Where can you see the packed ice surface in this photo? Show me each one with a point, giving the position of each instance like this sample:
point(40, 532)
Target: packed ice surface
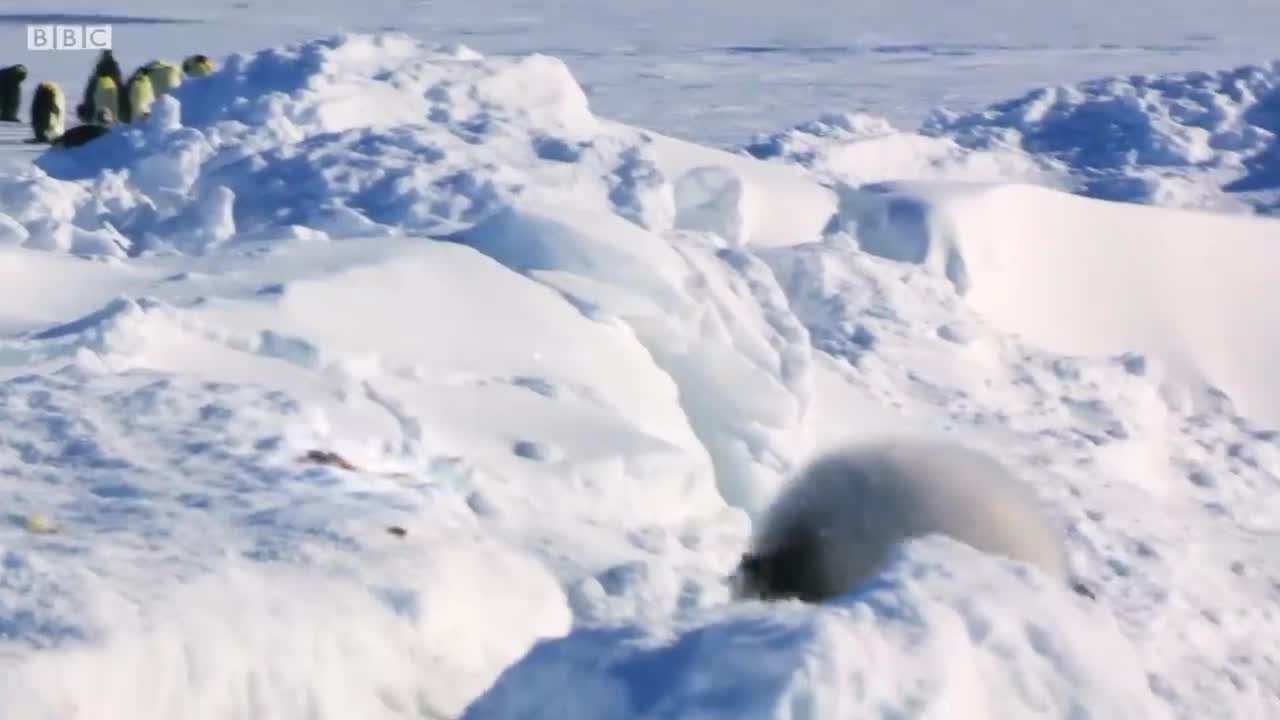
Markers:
point(566, 361)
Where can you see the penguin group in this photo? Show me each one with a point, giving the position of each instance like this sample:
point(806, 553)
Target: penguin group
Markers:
point(108, 98)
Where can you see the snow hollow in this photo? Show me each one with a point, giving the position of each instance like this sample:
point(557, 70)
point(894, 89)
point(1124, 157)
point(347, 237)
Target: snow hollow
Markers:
point(464, 409)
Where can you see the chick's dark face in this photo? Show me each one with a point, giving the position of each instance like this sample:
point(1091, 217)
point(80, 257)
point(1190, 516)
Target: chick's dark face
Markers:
point(790, 571)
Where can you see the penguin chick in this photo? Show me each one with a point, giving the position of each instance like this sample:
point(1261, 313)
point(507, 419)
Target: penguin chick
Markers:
point(141, 95)
point(836, 524)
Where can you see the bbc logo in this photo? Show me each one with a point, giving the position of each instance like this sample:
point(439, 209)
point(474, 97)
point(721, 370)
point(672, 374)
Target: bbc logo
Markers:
point(68, 37)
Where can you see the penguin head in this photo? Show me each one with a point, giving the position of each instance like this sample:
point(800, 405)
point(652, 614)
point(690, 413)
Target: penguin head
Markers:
point(107, 64)
point(20, 72)
point(746, 580)
point(197, 65)
point(767, 577)
point(791, 570)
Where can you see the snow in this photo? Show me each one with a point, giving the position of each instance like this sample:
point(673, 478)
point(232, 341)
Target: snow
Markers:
point(565, 359)
point(1147, 138)
point(1032, 288)
point(952, 652)
point(1204, 140)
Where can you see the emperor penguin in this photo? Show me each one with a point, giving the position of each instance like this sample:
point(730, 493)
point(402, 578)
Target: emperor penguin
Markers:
point(165, 77)
point(141, 95)
point(837, 522)
point(197, 66)
point(48, 113)
point(106, 66)
point(106, 96)
point(11, 91)
point(81, 134)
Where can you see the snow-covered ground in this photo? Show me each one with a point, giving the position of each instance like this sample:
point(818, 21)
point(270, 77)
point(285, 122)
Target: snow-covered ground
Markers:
point(567, 355)
point(719, 71)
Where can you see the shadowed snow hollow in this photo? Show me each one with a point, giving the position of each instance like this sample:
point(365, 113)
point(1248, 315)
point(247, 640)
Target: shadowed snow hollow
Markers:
point(713, 318)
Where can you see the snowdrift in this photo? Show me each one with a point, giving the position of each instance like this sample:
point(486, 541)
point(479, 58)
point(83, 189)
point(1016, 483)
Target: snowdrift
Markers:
point(924, 641)
point(163, 438)
point(374, 134)
point(1085, 278)
point(1150, 139)
point(562, 362)
point(1203, 140)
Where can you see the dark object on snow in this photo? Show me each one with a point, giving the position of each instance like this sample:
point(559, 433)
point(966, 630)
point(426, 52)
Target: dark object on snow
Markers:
point(325, 457)
point(11, 91)
point(48, 113)
point(197, 66)
point(1083, 590)
point(397, 531)
point(81, 134)
point(106, 67)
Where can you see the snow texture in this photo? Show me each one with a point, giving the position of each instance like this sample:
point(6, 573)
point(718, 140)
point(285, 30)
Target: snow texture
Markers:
point(954, 651)
point(1206, 140)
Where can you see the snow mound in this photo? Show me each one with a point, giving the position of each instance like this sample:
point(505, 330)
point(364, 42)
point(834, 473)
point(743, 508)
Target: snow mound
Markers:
point(923, 639)
point(856, 148)
point(161, 445)
point(1087, 283)
point(713, 318)
point(1190, 139)
point(204, 557)
point(1205, 140)
point(379, 134)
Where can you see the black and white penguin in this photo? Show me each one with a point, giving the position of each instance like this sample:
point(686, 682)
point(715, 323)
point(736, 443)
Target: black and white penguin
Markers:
point(81, 134)
point(837, 523)
point(197, 66)
point(48, 112)
point(11, 91)
point(106, 96)
point(141, 95)
point(106, 66)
